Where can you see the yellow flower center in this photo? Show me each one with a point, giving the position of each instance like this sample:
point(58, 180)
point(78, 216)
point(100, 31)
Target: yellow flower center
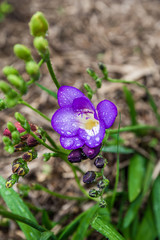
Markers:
point(90, 123)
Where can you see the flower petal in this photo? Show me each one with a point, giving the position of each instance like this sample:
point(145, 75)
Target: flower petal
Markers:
point(71, 142)
point(67, 94)
point(93, 138)
point(64, 122)
point(82, 104)
point(107, 111)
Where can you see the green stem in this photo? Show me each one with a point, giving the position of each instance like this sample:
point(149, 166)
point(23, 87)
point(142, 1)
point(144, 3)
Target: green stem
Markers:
point(134, 128)
point(34, 109)
point(117, 171)
point(53, 76)
point(51, 140)
point(41, 62)
point(55, 194)
point(18, 218)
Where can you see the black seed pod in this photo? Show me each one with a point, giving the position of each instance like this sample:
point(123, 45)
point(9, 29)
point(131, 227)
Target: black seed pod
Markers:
point(99, 162)
point(89, 177)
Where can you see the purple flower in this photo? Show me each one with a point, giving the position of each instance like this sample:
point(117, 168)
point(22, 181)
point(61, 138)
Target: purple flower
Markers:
point(77, 120)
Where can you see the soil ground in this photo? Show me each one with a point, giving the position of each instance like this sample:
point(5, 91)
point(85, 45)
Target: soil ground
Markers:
point(123, 34)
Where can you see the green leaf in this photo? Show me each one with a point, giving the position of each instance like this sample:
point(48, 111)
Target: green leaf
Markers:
point(147, 227)
point(47, 236)
point(156, 203)
point(71, 228)
point(17, 206)
point(113, 149)
point(106, 228)
point(50, 92)
point(132, 211)
point(131, 105)
point(48, 224)
point(136, 176)
point(84, 224)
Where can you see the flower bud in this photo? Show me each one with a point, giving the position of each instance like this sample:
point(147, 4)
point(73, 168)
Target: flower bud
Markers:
point(94, 193)
point(91, 152)
point(7, 133)
point(38, 25)
point(5, 88)
point(102, 204)
point(21, 171)
point(32, 142)
point(22, 52)
point(8, 70)
point(99, 162)
point(29, 156)
point(23, 121)
point(32, 68)
point(18, 83)
point(7, 141)
point(89, 177)
point(10, 127)
point(92, 73)
point(2, 104)
point(15, 137)
point(101, 184)
point(75, 156)
point(22, 146)
point(19, 128)
point(99, 83)
point(15, 167)
point(11, 180)
point(103, 68)
point(41, 44)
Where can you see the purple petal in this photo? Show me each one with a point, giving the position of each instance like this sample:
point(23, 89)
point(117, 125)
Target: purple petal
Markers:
point(91, 152)
point(71, 142)
point(107, 111)
point(83, 104)
point(67, 94)
point(92, 139)
point(64, 122)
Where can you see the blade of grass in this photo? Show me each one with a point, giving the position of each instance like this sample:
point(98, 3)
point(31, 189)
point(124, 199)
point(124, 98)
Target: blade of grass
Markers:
point(50, 92)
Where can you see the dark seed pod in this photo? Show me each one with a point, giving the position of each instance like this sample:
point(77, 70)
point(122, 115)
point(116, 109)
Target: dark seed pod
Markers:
point(75, 156)
point(11, 180)
point(28, 156)
point(20, 146)
point(102, 204)
point(89, 177)
point(91, 152)
point(101, 184)
point(99, 162)
point(15, 167)
point(94, 193)
point(21, 171)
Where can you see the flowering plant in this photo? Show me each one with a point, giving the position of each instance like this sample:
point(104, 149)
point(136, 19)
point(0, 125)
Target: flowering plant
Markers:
point(84, 134)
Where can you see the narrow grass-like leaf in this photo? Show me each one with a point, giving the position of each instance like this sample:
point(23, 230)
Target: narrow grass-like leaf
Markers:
point(113, 149)
point(156, 203)
point(132, 211)
point(136, 176)
point(131, 105)
point(84, 224)
point(147, 229)
point(50, 92)
point(47, 236)
point(17, 206)
point(106, 229)
point(71, 228)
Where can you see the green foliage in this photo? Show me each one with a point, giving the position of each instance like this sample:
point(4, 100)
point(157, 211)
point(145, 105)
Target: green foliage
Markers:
point(156, 203)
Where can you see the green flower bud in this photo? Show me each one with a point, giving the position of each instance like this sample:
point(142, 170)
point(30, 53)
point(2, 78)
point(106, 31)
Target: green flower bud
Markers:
point(92, 73)
point(7, 141)
point(38, 25)
point(11, 127)
point(94, 193)
point(89, 90)
point(16, 137)
point(18, 82)
point(99, 83)
point(20, 118)
point(9, 149)
point(41, 44)
point(10, 70)
point(32, 68)
point(104, 70)
point(22, 52)
point(102, 204)
point(2, 104)
point(11, 180)
point(5, 88)
point(11, 102)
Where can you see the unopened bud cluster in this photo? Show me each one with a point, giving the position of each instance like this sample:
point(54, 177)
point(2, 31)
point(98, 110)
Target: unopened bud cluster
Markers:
point(16, 139)
point(89, 177)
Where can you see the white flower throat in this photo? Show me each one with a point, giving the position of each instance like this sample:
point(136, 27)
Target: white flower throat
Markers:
point(88, 122)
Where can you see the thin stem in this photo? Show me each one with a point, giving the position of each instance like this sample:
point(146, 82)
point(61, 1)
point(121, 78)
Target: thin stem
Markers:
point(55, 194)
point(41, 62)
point(53, 76)
point(134, 128)
point(117, 171)
point(51, 140)
point(34, 109)
point(18, 218)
